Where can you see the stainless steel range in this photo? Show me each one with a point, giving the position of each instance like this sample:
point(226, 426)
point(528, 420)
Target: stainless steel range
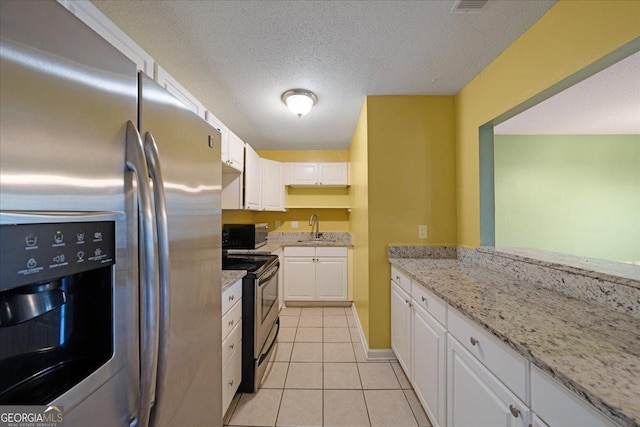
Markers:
point(260, 322)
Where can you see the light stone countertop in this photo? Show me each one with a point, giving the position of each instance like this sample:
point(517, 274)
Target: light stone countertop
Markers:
point(229, 277)
point(591, 349)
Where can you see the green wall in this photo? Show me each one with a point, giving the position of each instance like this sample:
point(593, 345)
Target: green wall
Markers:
point(576, 194)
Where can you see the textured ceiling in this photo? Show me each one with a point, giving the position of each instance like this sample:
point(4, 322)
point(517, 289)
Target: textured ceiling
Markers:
point(238, 57)
point(605, 103)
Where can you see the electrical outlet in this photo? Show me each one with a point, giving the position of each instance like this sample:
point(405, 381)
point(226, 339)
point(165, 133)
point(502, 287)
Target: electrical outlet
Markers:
point(294, 224)
point(422, 232)
point(278, 224)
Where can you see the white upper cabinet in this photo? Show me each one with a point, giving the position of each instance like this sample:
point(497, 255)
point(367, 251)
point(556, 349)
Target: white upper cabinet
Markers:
point(98, 22)
point(172, 86)
point(272, 186)
point(235, 153)
point(252, 174)
point(224, 133)
point(317, 174)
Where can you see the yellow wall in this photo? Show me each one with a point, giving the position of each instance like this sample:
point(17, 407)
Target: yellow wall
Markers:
point(403, 174)
point(568, 38)
point(359, 219)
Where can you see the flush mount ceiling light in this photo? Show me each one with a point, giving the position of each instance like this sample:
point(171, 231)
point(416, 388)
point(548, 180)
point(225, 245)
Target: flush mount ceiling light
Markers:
point(299, 101)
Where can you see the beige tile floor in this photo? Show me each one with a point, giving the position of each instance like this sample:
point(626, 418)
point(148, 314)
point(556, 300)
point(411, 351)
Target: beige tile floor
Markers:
point(318, 376)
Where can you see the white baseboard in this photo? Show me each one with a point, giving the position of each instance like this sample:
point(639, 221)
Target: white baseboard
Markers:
point(371, 354)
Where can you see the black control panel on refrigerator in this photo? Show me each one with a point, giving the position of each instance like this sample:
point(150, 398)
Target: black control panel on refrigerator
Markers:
point(31, 253)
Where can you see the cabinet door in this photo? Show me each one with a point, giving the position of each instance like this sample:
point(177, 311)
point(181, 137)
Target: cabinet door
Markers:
point(333, 174)
point(272, 187)
point(236, 152)
point(401, 326)
point(331, 278)
point(172, 86)
point(303, 173)
point(475, 397)
point(299, 278)
point(428, 345)
point(252, 180)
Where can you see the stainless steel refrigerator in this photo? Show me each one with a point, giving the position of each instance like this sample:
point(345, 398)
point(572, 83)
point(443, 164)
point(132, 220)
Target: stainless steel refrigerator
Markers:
point(110, 230)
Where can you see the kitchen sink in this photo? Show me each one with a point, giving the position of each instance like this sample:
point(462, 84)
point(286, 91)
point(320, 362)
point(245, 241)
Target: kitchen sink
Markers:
point(317, 240)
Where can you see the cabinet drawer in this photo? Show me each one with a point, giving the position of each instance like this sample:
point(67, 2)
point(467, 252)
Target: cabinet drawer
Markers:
point(560, 407)
point(231, 376)
point(232, 342)
point(231, 295)
point(331, 251)
point(299, 251)
point(427, 300)
point(231, 319)
point(504, 363)
point(401, 279)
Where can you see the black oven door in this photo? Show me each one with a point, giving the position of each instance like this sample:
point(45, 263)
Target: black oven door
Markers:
point(266, 305)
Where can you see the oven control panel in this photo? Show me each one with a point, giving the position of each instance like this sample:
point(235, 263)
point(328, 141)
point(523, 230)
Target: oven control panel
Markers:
point(32, 253)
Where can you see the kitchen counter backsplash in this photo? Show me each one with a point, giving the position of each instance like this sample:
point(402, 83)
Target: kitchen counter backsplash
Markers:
point(621, 294)
point(552, 271)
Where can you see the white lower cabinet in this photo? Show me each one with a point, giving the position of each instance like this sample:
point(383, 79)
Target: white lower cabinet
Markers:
point(428, 353)
point(401, 326)
point(315, 273)
point(466, 377)
point(231, 342)
point(475, 397)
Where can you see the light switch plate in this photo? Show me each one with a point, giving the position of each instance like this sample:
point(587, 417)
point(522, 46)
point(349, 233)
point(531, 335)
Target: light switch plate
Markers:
point(277, 224)
point(294, 224)
point(422, 232)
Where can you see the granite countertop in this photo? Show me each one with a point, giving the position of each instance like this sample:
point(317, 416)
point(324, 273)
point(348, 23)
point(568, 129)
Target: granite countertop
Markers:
point(229, 277)
point(591, 349)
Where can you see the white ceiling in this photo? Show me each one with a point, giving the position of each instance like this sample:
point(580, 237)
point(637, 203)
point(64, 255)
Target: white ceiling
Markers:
point(238, 57)
point(606, 103)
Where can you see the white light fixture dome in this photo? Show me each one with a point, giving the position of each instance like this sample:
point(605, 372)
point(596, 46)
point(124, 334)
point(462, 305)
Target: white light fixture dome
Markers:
point(299, 101)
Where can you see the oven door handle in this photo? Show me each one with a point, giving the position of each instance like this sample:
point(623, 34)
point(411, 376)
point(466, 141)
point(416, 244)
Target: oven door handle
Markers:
point(270, 275)
point(274, 333)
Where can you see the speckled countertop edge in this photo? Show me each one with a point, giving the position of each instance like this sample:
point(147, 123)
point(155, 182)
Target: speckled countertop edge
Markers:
point(616, 272)
point(229, 277)
point(591, 350)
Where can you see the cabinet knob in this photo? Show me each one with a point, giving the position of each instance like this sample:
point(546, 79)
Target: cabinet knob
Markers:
point(231, 383)
point(406, 301)
point(473, 341)
point(514, 411)
point(424, 300)
point(231, 323)
point(398, 278)
point(231, 297)
point(232, 345)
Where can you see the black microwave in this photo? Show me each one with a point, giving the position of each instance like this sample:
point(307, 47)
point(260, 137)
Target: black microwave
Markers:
point(244, 236)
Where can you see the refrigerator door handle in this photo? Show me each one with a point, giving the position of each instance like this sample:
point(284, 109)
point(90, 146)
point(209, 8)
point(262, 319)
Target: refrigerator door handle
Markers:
point(135, 162)
point(155, 172)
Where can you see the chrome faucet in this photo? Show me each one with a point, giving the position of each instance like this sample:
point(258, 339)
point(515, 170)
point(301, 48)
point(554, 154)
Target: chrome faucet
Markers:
point(316, 234)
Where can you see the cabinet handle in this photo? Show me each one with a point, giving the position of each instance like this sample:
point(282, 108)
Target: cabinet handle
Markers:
point(424, 300)
point(410, 304)
point(232, 345)
point(514, 411)
point(231, 297)
point(473, 341)
point(398, 278)
point(231, 383)
point(406, 301)
point(231, 323)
